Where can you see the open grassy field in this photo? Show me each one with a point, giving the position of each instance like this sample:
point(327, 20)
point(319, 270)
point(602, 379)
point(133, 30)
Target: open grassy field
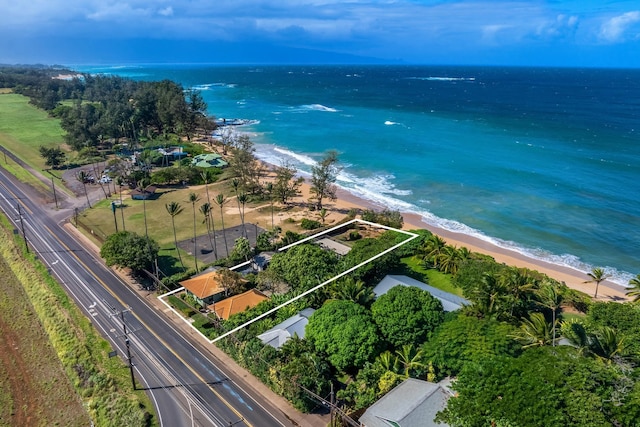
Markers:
point(24, 128)
point(34, 389)
point(159, 224)
point(65, 333)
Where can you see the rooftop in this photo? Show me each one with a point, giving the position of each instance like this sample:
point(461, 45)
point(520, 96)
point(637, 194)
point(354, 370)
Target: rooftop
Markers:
point(238, 303)
point(450, 302)
point(293, 326)
point(204, 285)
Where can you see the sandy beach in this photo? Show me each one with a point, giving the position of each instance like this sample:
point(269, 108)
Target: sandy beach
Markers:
point(575, 279)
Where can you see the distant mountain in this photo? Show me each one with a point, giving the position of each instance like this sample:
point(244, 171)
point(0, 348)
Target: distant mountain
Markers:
point(79, 51)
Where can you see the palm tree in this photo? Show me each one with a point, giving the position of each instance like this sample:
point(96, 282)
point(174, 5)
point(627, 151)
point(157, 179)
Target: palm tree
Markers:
point(550, 298)
point(142, 187)
point(387, 361)
point(634, 290)
point(409, 358)
point(519, 285)
point(575, 331)
point(193, 198)
point(608, 343)
point(205, 177)
point(205, 210)
point(534, 331)
point(220, 201)
point(83, 177)
point(448, 260)
point(269, 189)
point(174, 209)
point(353, 290)
point(432, 248)
point(597, 275)
point(120, 184)
point(242, 200)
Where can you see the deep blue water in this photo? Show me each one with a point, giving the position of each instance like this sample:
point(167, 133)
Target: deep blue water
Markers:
point(545, 161)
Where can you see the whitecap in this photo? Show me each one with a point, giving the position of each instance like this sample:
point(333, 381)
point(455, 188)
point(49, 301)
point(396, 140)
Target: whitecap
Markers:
point(318, 107)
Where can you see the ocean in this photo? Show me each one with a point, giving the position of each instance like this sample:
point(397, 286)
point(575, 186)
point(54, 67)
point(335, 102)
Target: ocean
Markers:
point(543, 161)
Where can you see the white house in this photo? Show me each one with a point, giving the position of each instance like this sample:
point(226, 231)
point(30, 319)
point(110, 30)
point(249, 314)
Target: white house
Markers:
point(294, 325)
point(413, 403)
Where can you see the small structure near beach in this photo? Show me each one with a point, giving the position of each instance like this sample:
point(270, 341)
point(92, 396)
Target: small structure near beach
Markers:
point(144, 194)
point(209, 160)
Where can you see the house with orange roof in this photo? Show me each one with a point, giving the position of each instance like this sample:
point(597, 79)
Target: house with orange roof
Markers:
point(207, 287)
point(237, 303)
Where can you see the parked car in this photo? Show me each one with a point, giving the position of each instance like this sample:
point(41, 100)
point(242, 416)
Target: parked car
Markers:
point(105, 179)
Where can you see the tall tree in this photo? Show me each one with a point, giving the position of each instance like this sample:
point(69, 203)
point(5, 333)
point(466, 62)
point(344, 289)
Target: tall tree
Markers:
point(286, 185)
point(220, 201)
point(597, 276)
point(205, 210)
point(193, 198)
point(174, 209)
point(269, 189)
point(323, 178)
point(83, 177)
point(242, 201)
point(53, 157)
point(550, 297)
point(142, 186)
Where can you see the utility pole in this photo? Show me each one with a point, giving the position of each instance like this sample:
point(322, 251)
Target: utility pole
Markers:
point(55, 197)
point(126, 340)
point(24, 235)
point(332, 407)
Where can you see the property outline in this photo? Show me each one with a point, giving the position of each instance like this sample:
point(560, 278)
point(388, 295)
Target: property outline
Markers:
point(305, 293)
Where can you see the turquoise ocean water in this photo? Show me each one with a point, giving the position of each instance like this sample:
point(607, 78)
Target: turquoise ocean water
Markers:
point(543, 161)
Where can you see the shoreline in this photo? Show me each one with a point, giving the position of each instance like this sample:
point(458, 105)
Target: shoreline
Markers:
point(575, 279)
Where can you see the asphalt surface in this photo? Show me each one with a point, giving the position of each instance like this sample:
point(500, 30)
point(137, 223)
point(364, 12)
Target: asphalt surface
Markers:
point(186, 385)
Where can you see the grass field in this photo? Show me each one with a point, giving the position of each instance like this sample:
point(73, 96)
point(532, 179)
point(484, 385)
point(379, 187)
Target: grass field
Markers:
point(34, 389)
point(24, 128)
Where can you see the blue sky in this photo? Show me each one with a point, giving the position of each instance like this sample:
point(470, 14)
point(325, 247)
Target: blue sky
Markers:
point(597, 33)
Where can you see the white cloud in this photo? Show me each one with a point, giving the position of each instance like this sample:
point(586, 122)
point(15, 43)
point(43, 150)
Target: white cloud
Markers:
point(167, 11)
point(615, 29)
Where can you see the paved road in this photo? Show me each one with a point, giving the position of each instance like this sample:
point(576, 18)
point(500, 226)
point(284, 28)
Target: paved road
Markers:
point(186, 387)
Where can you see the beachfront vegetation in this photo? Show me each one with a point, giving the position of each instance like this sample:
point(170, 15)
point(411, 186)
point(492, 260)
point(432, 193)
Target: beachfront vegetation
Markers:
point(323, 178)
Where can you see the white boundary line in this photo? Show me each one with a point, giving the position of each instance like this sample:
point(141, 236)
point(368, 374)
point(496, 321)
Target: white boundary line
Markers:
point(307, 292)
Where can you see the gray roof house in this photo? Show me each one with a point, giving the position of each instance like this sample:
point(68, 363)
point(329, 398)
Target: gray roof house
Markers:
point(294, 325)
point(413, 403)
point(450, 302)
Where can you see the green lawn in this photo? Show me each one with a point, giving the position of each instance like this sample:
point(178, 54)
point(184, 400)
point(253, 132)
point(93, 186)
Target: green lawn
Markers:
point(413, 267)
point(24, 128)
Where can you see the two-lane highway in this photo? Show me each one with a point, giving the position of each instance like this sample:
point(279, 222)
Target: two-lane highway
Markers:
point(185, 385)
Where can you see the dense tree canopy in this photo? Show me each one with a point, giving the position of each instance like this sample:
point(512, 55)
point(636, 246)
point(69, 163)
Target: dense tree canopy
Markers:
point(128, 249)
point(406, 315)
point(345, 332)
point(304, 266)
point(546, 386)
point(463, 339)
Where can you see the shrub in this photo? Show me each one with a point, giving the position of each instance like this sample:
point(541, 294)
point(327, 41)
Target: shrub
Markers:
point(309, 224)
